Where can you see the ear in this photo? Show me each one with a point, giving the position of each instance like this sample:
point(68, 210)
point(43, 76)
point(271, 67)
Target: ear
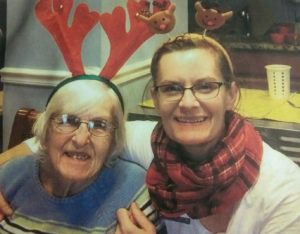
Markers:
point(154, 96)
point(232, 96)
point(227, 15)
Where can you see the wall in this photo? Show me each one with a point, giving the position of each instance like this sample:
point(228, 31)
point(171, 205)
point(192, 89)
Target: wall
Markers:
point(33, 64)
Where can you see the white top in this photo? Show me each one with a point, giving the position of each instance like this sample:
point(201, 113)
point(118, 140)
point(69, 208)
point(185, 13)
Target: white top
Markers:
point(272, 205)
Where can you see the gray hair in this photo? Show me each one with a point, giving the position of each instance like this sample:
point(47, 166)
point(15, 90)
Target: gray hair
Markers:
point(90, 93)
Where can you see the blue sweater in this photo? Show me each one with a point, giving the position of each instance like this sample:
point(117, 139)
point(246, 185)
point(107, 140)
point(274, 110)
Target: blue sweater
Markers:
point(90, 211)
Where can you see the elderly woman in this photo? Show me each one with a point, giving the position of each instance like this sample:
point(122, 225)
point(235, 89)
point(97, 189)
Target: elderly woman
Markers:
point(76, 181)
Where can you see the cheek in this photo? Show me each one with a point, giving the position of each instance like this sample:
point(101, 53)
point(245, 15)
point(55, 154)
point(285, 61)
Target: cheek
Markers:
point(164, 109)
point(56, 140)
point(103, 148)
point(54, 145)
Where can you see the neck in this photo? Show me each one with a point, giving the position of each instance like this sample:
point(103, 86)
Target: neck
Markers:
point(200, 153)
point(60, 187)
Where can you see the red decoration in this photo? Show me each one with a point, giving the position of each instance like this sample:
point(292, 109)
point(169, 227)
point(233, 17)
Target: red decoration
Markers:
point(122, 44)
point(54, 16)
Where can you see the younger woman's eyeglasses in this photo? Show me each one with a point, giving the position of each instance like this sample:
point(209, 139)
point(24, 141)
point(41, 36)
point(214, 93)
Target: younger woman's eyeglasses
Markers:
point(67, 123)
point(202, 90)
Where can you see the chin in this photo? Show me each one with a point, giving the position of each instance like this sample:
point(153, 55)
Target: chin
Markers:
point(77, 176)
point(190, 138)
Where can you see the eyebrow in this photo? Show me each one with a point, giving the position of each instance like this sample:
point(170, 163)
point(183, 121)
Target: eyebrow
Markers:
point(202, 79)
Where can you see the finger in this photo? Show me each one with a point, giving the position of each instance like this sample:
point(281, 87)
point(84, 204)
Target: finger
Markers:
point(125, 221)
point(5, 209)
point(118, 231)
point(141, 219)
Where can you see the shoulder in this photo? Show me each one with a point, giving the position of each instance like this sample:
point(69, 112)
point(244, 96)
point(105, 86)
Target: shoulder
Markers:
point(279, 167)
point(129, 166)
point(124, 173)
point(279, 176)
point(16, 173)
point(274, 200)
point(17, 165)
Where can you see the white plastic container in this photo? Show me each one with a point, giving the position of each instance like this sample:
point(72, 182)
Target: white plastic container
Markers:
point(278, 76)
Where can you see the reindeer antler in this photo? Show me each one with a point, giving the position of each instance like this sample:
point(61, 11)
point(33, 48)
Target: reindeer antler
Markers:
point(53, 15)
point(122, 44)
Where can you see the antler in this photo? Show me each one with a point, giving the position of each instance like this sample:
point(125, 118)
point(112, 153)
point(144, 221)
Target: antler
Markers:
point(53, 15)
point(123, 44)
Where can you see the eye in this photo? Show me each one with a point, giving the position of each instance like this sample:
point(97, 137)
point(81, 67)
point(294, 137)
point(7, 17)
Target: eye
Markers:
point(172, 88)
point(205, 87)
point(100, 124)
point(66, 119)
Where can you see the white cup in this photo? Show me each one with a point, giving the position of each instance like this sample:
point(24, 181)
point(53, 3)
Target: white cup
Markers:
point(278, 76)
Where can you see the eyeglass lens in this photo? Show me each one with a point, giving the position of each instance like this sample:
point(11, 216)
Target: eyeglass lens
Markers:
point(69, 123)
point(201, 90)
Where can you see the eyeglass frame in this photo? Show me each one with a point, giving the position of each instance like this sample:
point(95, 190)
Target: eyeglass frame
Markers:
point(219, 83)
point(90, 123)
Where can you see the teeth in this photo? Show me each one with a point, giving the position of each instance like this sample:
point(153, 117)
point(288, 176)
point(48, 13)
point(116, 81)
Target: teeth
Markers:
point(185, 120)
point(77, 155)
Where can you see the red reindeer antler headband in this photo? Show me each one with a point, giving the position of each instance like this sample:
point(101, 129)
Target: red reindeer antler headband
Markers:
point(54, 16)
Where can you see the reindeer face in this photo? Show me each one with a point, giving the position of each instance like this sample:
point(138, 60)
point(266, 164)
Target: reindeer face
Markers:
point(162, 22)
point(210, 19)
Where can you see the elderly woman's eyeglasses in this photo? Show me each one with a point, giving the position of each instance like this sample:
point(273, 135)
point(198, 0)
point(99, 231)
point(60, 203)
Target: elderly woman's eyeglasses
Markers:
point(67, 123)
point(202, 90)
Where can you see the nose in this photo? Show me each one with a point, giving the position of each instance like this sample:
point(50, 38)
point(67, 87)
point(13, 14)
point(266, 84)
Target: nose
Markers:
point(188, 99)
point(82, 135)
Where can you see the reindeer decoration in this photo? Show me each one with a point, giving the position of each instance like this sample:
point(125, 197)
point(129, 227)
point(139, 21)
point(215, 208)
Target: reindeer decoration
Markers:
point(54, 16)
point(210, 19)
point(160, 22)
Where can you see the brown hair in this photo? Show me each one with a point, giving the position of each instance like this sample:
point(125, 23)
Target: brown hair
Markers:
point(194, 41)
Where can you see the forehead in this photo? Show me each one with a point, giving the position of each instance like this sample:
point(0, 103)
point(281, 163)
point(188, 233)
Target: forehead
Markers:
point(189, 64)
point(89, 98)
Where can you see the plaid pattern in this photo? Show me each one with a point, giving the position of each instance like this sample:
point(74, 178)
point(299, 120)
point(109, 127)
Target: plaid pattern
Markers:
point(212, 187)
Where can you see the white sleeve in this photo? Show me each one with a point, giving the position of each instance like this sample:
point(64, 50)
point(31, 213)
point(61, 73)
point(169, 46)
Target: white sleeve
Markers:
point(138, 142)
point(32, 144)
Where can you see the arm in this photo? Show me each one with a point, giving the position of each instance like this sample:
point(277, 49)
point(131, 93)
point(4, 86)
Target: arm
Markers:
point(286, 217)
point(5, 209)
point(17, 151)
point(25, 148)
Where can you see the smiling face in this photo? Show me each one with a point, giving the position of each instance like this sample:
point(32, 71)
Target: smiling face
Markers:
point(162, 22)
point(79, 156)
point(71, 160)
point(195, 124)
point(210, 19)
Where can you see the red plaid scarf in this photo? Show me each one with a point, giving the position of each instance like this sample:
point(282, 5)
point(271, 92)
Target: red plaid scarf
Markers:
point(209, 188)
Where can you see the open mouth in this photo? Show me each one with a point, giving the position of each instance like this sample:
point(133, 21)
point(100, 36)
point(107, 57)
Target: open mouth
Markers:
point(190, 120)
point(209, 23)
point(77, 155)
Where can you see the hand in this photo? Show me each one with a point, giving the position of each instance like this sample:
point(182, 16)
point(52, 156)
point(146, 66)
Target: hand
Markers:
point(5, 209)
point(133, 221)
